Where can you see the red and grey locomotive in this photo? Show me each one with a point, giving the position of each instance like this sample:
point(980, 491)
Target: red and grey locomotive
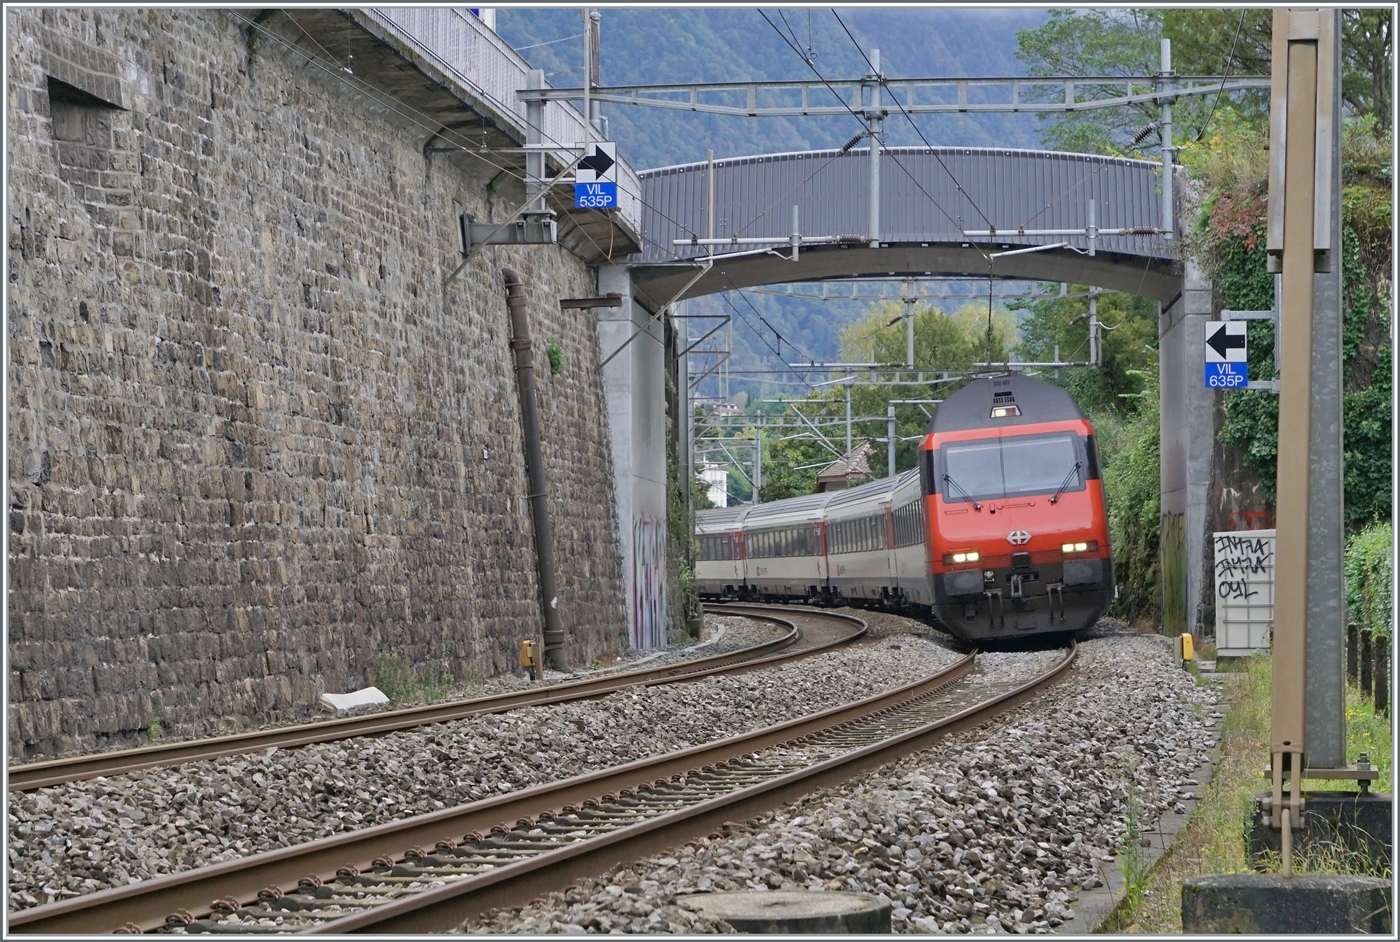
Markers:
point(1006, 504)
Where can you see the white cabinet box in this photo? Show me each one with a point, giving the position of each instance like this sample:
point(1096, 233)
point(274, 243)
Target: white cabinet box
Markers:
point(1244, 591)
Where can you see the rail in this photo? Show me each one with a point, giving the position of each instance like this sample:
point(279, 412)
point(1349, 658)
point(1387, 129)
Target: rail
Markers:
point(30, 776)
point(507, 850)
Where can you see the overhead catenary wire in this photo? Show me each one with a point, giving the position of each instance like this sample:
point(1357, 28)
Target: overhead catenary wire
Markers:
point(884, 83)
point(873, 143)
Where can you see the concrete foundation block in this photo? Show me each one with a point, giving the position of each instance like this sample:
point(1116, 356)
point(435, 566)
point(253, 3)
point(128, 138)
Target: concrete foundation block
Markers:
point(781, 913)
point(1306, 904)
point(1333, 825)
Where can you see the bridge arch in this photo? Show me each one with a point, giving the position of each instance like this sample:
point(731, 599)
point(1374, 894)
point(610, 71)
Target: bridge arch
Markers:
point(928, 199)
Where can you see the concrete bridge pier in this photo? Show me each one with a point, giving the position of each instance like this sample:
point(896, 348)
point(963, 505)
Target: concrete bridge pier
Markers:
point(1188, 442)
point(635, 384)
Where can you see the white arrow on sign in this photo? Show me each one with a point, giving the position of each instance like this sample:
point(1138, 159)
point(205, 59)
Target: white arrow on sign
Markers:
point(599, 164)
point(1225, 342)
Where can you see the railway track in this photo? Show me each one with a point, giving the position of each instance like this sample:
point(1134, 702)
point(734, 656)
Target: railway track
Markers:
point(432, 872)
point(807, 634)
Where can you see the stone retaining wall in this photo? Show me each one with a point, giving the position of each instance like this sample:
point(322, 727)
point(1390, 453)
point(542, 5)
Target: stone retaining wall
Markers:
point(253, 444)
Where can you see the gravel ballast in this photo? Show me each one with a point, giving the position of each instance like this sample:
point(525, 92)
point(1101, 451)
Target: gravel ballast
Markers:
point(992, 830)
point(78, 838)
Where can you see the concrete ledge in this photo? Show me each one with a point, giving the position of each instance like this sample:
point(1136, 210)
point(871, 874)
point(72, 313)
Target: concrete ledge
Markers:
point(780, 913)
point(1333, 823)
point(1311, 904)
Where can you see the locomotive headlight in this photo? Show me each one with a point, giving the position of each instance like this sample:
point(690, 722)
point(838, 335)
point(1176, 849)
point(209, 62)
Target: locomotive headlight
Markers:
point(961, 557)
point(1079, 547)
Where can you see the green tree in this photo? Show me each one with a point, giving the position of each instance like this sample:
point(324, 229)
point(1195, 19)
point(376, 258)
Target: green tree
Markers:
point(1212, 41)
point(1203, 40)
point(1128, 346)
point(1099, 42)
point(1230, 234)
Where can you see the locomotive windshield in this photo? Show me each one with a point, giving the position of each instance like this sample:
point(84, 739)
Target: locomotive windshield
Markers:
point(1019, 466)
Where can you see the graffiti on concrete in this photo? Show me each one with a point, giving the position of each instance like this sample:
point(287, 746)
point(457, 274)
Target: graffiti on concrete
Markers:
point(648, 584)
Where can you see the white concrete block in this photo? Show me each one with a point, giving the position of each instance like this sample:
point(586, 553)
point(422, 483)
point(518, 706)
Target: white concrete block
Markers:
point(370, 696)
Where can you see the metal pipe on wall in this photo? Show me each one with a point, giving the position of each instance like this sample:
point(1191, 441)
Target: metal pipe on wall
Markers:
point(534, 469)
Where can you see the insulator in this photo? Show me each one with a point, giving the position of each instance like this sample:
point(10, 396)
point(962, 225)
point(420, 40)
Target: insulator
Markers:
point(1142, 134)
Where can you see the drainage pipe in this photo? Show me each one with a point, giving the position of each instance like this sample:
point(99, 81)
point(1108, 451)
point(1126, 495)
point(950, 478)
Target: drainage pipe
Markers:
point(534, 468)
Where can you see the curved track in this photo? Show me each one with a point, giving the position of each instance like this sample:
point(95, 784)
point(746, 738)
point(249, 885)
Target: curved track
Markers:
point(505, 851)
point(805, 636)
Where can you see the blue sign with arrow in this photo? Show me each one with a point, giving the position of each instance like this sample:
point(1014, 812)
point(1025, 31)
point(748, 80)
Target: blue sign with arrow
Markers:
point(1227, 361)
point(595, 178)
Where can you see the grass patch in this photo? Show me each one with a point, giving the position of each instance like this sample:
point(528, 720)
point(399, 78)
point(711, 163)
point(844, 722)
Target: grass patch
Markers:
point(401, 682)
point(1214, 840)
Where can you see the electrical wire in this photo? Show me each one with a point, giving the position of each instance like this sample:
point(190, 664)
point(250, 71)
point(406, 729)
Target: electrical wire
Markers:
point(1229, 60)
point(549, 43)
point(875, 143)
point(791, 33)
point(884, 83)
point(781, 339)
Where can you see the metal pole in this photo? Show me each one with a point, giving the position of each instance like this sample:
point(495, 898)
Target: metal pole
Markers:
point(534, 138)
point(872, 117)
point(850, 379)
point(796, 237)
point(909, 325)
point(587, 76)
point(534, 469)
point(594, 111)
point(710, 182)
point(1168, 222)
point(687, 420)
point(889, 426)
point(1093, 326)
point(1325, 731)
point(1092, 230)
point(757, 462)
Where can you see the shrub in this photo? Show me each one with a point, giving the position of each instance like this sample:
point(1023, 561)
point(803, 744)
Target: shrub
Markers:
point(1368, 574)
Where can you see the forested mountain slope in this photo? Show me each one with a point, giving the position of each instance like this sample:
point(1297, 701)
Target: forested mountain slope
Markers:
point(667, 44)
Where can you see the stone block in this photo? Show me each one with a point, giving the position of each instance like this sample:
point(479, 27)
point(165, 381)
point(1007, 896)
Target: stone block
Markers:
point(1303, 904)
point(800, 912)
point(1333, 824)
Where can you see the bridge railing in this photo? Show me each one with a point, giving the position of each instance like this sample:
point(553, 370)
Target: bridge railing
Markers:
point(488, 68)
